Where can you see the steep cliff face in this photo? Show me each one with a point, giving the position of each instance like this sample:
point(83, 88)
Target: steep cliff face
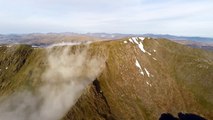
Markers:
point(142, 78)
point(145, 78)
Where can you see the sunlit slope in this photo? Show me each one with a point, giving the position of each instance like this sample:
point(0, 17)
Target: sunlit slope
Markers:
point(20, 65)
point(145, 78)
point(142, 78)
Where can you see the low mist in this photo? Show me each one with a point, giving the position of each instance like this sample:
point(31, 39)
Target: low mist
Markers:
point(67, 75)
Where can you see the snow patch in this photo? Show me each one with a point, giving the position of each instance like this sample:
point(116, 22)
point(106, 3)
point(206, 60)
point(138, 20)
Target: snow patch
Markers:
point(6, 68)
point(139, 66)
point(148, 84)
point(154, 58)
point(125, 42)
point(135, 40)
point(140, 45)
point(141, 38)
point(130, 40)
point(149, 53)
point(147, 72)
point(142, 73)
point(154, 50)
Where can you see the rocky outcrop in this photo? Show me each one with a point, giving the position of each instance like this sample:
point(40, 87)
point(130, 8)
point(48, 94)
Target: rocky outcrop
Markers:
point(93, 103)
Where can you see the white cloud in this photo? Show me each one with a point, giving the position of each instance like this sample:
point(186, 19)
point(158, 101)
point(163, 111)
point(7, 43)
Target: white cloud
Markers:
point(124, 16)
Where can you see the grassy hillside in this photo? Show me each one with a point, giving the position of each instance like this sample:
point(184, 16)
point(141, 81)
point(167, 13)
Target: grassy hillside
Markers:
point(179, 79)
point(16, 64)
point(142, 78)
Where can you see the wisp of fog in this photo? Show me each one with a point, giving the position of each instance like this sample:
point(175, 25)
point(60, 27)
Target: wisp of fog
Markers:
point(66, 77)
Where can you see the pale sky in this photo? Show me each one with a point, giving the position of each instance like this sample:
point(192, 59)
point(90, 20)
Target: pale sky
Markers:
point(177, 17)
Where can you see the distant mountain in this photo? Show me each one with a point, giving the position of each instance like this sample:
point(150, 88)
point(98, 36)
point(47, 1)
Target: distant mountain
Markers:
point(172, 37)
point(39, 39)
point(167, 36)
point(45, 39)
point(201, 45)
point(28, 37)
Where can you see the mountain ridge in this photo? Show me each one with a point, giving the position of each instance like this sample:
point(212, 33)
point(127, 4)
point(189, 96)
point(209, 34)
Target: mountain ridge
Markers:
point(142, 79)
point(123, 103)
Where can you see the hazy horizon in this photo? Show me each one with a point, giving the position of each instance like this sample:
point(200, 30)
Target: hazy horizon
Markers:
point(176, 17)
point(103, 33)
